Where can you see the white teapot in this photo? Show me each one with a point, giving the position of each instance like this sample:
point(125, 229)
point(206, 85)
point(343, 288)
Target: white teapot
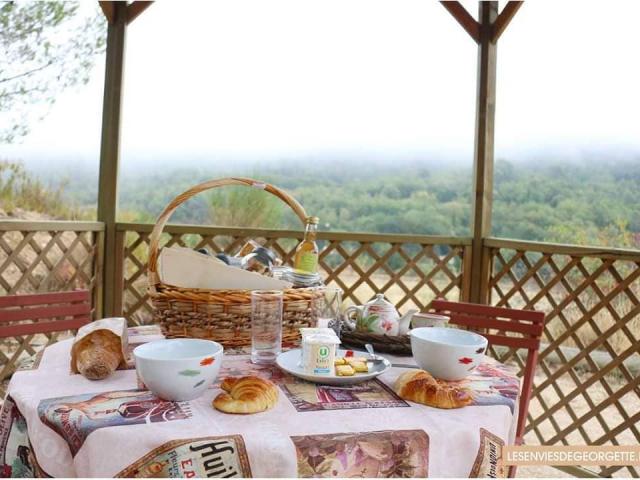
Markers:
point(378, 316)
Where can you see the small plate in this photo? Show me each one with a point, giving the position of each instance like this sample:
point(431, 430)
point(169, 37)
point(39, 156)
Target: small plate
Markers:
point(290, 362)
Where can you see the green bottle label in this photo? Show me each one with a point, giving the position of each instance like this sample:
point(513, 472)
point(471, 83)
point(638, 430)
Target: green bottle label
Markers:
point(308, 262)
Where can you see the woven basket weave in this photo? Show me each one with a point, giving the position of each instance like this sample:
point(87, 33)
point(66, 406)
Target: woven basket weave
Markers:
point(399, 345)
point(221, 315)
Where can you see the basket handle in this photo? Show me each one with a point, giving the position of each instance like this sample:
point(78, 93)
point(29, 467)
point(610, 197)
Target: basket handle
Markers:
point(154, 241)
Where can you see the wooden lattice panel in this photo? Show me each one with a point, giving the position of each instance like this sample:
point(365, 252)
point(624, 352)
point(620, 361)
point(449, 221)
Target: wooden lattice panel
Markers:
point(587, 388)
point(42, 260)
point(410, 273)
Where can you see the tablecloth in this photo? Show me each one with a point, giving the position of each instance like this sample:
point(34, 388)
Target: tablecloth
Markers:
point(54, 423)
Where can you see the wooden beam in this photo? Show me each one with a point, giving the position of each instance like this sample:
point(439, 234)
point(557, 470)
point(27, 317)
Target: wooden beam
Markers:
point(136, 8)
point(505, 18)
point(277, 233)
point(109, 10)
point(483, 151)
point(50, 226)
point(464, 18)
point(110, 148)
point(628, 255)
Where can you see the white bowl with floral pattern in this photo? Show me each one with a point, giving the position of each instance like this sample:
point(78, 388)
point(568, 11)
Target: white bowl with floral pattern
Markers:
point(178, 369)
point(447, 353)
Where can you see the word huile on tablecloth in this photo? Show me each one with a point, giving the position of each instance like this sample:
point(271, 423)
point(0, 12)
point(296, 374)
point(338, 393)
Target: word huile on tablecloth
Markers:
point(213, 457)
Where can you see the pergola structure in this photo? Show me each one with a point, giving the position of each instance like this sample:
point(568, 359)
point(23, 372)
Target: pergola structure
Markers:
point(588, 387)
point(485, 32)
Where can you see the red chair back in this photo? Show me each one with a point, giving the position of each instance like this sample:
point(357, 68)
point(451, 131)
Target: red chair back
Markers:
point(44, 312)
point(496, 323)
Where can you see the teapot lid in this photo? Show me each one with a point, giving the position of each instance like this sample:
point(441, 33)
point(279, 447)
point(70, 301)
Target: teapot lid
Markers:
point(380, 300)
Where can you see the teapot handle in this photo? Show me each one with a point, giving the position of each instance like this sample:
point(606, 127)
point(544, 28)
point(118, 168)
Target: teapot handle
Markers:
point(348, 320)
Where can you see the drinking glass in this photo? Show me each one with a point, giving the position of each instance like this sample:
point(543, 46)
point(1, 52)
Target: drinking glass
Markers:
point(328, 308)
point(266, 325)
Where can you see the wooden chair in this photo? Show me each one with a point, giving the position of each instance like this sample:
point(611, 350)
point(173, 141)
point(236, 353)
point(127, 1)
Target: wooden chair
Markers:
point(48, 312)
point(496, 323)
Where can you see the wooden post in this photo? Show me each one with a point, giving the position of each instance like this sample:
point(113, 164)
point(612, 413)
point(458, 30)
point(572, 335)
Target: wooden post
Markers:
point(483, 154)
point(98, 292)
point(110, 148)
point(118, 261)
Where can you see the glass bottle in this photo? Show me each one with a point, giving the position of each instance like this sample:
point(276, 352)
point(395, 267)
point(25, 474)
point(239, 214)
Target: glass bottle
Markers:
point(306, 257)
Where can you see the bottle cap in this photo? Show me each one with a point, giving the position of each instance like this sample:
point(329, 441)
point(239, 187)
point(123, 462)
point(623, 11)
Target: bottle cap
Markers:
point(312, 220)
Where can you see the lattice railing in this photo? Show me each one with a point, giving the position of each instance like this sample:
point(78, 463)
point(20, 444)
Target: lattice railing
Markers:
point(587, 390)
point(45, 257)
point(409, 270)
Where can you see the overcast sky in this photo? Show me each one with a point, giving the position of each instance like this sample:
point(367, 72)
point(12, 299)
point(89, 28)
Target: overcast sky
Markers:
point(284, 77)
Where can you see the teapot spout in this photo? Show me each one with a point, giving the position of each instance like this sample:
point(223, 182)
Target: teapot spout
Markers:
point(405, 321)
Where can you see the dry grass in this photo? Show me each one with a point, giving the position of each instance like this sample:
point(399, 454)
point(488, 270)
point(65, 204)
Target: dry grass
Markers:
point(585, 334)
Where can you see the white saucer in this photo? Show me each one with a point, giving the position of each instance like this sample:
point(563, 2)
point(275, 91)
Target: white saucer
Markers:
point(290, 363)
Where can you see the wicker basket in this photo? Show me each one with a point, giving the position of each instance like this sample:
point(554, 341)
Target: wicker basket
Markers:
point(220, 315)
point(400, 345)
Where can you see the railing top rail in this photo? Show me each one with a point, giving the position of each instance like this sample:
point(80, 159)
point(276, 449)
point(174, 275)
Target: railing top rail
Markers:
point(277, 233)
point(581, 251)
point(50, 226)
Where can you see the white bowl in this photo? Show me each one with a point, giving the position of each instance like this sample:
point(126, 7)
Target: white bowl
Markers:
point(447, 353)
point(178, 369)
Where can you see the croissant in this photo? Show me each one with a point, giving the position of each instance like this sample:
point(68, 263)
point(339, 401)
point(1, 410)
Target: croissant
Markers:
point(420, 387)
point(246, 395)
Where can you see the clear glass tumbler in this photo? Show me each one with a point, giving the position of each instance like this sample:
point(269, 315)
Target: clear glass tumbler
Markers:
point(266, 325)
point(328, 308)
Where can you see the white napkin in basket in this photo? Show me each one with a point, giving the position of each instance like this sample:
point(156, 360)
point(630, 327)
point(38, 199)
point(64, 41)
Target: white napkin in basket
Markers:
point(186, 268)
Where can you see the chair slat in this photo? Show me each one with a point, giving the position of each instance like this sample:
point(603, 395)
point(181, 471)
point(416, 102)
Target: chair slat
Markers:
point(44, 298)
point(43, 327)
point(487, 310)
point(37, 313)
point(512, 342)
point(493, 323)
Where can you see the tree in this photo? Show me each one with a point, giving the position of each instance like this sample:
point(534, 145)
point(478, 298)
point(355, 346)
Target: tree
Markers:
point(47, 47)
point(244, 207)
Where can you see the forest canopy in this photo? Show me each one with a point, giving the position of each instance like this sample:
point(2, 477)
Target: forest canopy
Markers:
point(589, 203)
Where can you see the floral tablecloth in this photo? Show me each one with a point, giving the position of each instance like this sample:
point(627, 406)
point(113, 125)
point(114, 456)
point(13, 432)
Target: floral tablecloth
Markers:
point(54, 423)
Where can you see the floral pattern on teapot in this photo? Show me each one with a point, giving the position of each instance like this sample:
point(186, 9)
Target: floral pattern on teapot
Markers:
point(380, 317)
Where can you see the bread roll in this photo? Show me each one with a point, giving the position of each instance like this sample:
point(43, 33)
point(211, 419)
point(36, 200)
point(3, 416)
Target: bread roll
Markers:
point(246, 395)
point(98, 354)
point(420, 387)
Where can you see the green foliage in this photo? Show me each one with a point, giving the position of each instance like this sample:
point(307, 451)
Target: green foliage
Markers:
point(47, 47)
point(595, 203)
point(585, 203)
point(19, 189)
point(244, 207)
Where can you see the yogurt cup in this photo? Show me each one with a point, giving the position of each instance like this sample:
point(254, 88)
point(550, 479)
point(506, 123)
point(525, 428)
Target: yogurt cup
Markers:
point(319, 353)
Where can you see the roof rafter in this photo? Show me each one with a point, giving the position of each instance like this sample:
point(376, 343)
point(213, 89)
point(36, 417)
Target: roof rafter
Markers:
point(109, 10)
point(472, 26)
point(504, 18)
point(134, 9)
point(464, 18)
